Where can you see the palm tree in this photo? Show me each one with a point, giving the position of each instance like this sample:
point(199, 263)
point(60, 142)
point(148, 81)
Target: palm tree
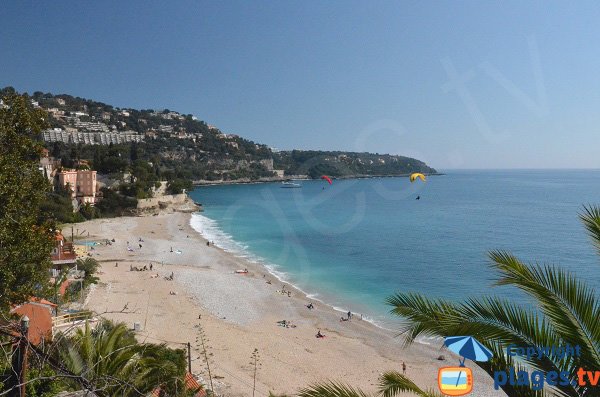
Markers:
point(563, 309)
point(114, 363)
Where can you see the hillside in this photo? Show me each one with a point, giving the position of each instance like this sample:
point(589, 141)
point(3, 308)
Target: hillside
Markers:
point(172, 145)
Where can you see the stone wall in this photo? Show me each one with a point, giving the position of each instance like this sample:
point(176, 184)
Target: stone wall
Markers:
point(169, 202)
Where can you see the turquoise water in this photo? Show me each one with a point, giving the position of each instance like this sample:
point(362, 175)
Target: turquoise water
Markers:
point(357, 242)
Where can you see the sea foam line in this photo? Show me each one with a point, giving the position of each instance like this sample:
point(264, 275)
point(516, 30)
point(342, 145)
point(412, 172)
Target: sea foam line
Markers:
point(209, 229)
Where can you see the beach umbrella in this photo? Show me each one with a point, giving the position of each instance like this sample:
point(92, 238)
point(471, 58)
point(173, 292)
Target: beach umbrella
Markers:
point(468, 347)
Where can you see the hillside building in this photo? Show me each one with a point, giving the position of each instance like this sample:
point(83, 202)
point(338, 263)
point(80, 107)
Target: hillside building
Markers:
point(82, 184)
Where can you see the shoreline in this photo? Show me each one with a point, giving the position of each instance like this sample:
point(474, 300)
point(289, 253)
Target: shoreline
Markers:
point(262, 264)
point(299, 178)
point(238, 313)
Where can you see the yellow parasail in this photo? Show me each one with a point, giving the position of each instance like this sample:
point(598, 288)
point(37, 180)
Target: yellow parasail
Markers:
point(413, 177)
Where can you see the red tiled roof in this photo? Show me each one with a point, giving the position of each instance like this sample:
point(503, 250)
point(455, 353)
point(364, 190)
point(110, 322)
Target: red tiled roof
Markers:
point(42, 301)
point(40, 321)
point(63, 287)
point(190, 384)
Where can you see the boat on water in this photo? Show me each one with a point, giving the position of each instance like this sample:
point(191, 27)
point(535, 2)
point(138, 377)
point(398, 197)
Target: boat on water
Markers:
point(290, 185)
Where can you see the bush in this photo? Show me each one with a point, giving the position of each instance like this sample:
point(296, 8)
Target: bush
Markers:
point(89, 212)
point(90, 267)
point(115, 204)
point(177, 186)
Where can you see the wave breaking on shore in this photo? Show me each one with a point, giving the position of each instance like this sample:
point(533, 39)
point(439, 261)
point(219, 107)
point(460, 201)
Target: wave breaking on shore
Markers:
point(209, 229)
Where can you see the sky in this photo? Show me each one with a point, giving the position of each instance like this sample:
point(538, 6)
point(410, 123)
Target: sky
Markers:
point(457, 84)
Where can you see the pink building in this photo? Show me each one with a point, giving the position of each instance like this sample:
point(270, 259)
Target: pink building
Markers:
point(82, 184)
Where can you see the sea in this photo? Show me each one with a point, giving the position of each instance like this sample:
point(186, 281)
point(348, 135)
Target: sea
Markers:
point(356, 242)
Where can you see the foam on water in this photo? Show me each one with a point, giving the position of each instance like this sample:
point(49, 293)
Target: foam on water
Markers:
point(209, 229)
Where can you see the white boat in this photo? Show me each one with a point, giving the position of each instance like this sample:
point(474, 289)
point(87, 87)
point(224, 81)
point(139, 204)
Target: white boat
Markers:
point(290, 185)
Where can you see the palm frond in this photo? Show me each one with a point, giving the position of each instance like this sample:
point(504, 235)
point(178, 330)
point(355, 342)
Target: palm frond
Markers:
point(392, 383)
point(424, 316)
point(331, 389)
point(590, 217)
point(568, 304)
point(495, 322)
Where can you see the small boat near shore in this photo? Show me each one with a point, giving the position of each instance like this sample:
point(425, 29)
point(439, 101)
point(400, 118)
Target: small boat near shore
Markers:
point(290, 185)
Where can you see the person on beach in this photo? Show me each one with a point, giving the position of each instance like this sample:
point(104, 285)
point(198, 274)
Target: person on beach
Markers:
point(403, 368)
point(310, 306)
point(319, 334)
point(116, 264)
point(208, 243)
point(151, 267)
point(171, 249)
point(349, 315)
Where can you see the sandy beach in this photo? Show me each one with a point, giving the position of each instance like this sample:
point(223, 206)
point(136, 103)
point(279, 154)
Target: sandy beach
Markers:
point(238, 313)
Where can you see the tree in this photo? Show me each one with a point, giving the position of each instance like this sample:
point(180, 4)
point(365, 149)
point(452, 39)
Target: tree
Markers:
point(177, 186)
point(90, 267)
point(115, 364)
point(89, 212)
point(115, 204)
point(25, 238)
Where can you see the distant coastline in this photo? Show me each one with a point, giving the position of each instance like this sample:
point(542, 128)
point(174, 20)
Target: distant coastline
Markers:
point(245, 181)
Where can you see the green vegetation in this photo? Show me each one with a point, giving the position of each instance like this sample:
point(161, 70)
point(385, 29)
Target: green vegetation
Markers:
point(177, 186)
point(343, 164)
point(390, 384)
point(115, 204)
point(178, 146)
point(114, 363)
point(25, 238)
point(107, 360)
point(58, 206)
